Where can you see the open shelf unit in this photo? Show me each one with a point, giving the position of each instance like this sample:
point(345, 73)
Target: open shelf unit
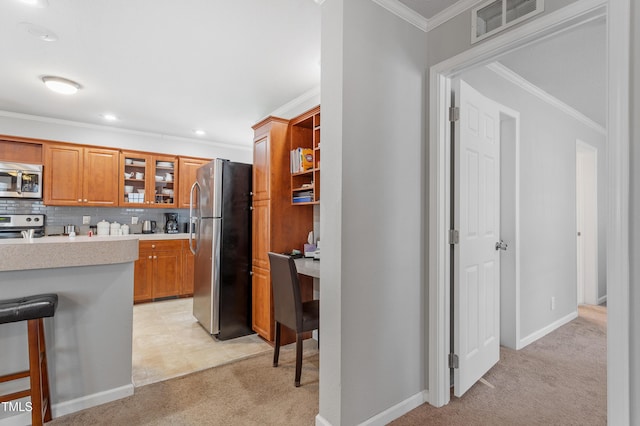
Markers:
point(305, 158)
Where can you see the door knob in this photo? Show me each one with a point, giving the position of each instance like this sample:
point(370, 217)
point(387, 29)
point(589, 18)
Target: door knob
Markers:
point(501, 245)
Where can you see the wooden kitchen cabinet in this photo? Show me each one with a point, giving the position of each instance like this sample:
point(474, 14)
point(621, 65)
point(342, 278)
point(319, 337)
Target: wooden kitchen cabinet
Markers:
point(80, 175)
point(305, 134)
point(148, 180)
point(278, 226)
point(187, 169)
point(158, 271)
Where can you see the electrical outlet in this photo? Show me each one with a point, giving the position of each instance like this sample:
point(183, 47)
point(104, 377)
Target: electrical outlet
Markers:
point(86, 220)
point(553, 303)
point(134, 220)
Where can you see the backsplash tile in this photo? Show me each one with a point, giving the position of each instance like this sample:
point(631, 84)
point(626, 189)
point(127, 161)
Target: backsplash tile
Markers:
point(58, 216)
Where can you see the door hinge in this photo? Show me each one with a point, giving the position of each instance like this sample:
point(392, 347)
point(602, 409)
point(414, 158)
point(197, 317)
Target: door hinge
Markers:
point(453, 361)
point(454, 114)
point(453, 236)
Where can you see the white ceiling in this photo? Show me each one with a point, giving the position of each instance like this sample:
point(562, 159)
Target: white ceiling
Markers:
point(571, 66)
point(428, 8)
point(169, 67)
point(162, 66)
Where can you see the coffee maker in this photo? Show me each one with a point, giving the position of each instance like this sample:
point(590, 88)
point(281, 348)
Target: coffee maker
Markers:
point(171, 223)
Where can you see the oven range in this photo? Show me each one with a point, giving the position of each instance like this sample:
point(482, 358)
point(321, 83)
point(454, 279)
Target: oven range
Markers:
point(12, 225)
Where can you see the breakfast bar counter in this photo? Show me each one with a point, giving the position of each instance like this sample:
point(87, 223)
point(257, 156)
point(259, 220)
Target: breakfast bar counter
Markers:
point(89, 338)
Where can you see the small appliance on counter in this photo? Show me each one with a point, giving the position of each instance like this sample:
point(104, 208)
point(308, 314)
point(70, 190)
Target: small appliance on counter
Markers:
point(12, 225)
point(148, 226)
point(171, 223)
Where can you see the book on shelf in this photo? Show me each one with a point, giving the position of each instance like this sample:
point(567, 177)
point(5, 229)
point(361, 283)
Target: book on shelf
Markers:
point(301, 160)
point(302, 199)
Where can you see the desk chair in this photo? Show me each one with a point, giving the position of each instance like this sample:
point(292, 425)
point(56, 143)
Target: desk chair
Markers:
point(288, 308)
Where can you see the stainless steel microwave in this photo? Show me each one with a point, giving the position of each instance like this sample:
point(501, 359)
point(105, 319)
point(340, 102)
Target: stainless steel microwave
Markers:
point(19, 180)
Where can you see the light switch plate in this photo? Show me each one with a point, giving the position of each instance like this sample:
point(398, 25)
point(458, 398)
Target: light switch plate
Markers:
point(86, 220)
point(134, 220)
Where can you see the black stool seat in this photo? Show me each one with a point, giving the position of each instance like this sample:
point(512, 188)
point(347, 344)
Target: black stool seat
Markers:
point(28, 308)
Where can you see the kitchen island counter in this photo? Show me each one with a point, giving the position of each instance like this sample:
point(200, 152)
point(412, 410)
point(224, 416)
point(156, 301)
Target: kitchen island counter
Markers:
point(88, 340)
point(19, 254)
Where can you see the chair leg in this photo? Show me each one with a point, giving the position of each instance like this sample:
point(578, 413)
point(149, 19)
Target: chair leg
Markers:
point(33, 333)
point(298, 358)
point(45, 376)
point(276, 348)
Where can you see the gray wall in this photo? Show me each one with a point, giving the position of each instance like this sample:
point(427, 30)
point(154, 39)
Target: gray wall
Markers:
point(547, 199)
point(635, 215)
point(372, 247)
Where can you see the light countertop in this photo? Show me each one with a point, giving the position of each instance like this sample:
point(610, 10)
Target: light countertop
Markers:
point(308, 266)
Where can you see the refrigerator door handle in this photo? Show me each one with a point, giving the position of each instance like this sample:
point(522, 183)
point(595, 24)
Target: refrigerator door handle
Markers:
point(193, 219)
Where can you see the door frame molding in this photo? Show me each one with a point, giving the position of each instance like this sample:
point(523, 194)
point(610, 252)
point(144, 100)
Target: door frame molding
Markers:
point(618, 45)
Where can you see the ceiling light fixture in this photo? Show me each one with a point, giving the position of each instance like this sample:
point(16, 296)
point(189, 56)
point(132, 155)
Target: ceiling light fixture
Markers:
point(199, 132)
point(61, 85)
point(109, 117)
point(36, 3)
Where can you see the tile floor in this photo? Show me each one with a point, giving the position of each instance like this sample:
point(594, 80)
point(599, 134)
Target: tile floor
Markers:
point(168, 342)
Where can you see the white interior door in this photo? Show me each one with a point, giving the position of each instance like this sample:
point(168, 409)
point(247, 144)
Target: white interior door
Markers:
point(476, 287)
point(587, 223)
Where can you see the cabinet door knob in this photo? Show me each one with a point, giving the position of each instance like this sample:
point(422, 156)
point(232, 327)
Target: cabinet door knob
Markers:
point(79, 200)
point(155, 257)
point(85, 200)
point(150, 257)
point(153, 246)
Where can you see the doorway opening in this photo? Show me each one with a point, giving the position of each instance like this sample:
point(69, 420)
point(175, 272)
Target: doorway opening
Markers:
point(617, 190)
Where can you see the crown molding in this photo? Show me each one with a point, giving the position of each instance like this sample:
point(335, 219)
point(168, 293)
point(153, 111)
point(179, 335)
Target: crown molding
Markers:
point(98, 127)
point(404, 12)
point(300, 100)
point(525, 84)
point(450, 12)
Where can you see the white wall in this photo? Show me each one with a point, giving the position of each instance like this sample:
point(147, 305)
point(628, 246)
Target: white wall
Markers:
point(372, 219)
point(547, 199)
point(634, 334)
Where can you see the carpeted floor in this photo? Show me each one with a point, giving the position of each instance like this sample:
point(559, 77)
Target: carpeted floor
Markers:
point(557, 380)
point(247, 392)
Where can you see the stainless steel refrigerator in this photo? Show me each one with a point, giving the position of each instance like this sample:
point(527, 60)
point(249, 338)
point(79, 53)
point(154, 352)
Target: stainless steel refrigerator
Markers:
point(220, 208)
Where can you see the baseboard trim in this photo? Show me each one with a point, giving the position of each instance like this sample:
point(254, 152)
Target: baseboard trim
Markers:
point(397, 410)
point(321, 421)
point(74, 405)
point(546, 330)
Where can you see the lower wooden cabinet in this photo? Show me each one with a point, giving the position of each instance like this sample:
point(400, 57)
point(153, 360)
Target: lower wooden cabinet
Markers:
point(161, 269)
point(262, 306)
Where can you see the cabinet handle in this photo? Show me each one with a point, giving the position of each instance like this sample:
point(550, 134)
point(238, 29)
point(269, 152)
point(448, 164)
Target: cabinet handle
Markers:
point(155, 257)
point(153, 246)
point(79, 200)
point(85, 200)
point(150, 257)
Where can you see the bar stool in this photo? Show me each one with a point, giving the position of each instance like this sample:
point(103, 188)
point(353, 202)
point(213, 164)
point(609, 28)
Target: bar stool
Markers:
point(32, 309)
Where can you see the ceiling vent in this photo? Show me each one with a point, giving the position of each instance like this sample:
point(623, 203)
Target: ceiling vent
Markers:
point(493, 16)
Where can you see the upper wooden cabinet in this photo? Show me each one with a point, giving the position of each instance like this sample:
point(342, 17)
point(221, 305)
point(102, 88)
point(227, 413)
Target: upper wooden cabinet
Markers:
point(187, 170)
point(80, 176)
point(148, 180)
point(305, 173)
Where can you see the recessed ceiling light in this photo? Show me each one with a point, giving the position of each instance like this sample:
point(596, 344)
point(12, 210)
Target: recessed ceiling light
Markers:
point(42, 33)
point(61, 85)
point(36, 3)
point(109, 117)
point(199, 132)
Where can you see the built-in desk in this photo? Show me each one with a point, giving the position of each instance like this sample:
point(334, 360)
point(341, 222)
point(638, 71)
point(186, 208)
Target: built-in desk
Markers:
point(308, 266)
